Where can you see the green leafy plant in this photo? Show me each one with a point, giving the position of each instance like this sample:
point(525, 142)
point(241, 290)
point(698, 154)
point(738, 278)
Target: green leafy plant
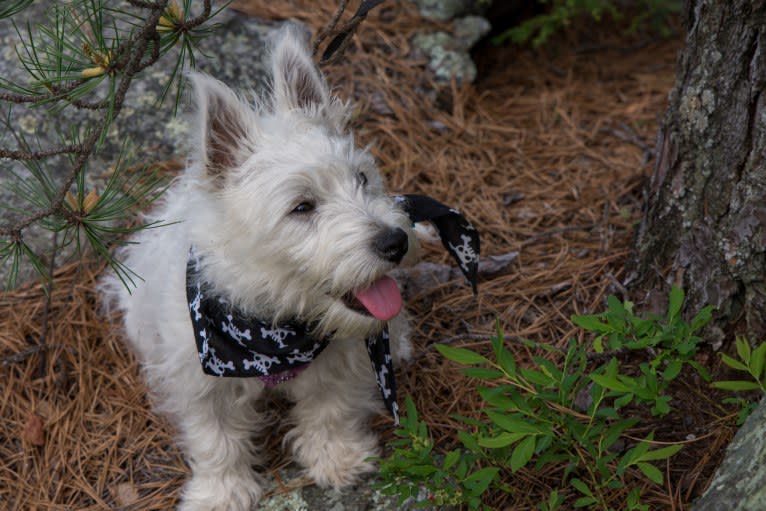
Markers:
point(751, 361)
point(564, 415)
point(561, 13)
point(449, 480)
point(669, 339)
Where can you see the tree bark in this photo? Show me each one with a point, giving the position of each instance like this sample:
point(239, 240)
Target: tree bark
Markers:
point(705, 221)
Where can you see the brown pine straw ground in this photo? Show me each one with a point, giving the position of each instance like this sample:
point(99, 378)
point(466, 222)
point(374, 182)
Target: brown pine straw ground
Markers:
point(546, 154)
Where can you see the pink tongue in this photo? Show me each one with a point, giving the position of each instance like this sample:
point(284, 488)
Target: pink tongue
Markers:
point(382, 299)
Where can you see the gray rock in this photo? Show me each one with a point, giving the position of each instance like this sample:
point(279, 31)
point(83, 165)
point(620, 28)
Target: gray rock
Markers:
point(449, 53)
point(443, 10)
point(740, 482)
point(469, 29)
point(361, 497)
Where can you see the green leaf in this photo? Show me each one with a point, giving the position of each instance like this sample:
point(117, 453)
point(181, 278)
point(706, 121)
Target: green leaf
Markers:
point(536, 377)
point(758, 361)
point(743, 349)
point(496, 397)
point(412, 412)
point(468, 440)
point(614, 306)
point(733, 363)
point(623, 400)
point(703, 372)
point(592, 323)
point(502, 440)
point(548, 368)
point(507, 362)
point(736, 385)
point(480, 480)
point(613, 433)
point(650, 471)
point(420, 470)
point(450, 459)
point(461, 355)
point(675, 302)
point(598, 344)
point(660, 454)
point(554, 501)
point(482, 373)
point(513, 424)
point(661, 406)
point(609, 382)
point(702, 318)
point(522, 453)
point(581, 487)
point(673, 369)
point(585, 502)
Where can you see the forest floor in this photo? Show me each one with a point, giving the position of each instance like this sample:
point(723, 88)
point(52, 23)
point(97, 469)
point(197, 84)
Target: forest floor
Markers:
point(546, 153)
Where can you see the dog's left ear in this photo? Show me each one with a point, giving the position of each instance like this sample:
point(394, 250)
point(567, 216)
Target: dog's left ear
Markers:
point(297, 81)
point(226, 123)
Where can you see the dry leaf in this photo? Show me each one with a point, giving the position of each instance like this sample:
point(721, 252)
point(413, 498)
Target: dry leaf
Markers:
point(33, 430)
point(125, 494)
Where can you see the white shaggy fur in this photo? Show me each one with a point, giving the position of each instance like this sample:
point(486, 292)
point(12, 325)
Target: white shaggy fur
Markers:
point(256, 162)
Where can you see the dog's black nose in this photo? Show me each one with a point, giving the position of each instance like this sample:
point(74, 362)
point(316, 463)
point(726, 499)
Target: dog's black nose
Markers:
point(391, 244)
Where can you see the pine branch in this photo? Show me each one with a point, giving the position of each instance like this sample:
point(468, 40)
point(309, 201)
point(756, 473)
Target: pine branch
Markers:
point(68, 65)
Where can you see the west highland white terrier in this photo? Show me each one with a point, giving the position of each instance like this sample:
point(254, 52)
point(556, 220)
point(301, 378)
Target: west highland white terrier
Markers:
point(273, 277)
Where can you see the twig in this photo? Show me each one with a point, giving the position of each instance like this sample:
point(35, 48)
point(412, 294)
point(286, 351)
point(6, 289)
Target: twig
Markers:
point(21, 355)
point(48, 290)
point(330, 27)
point(547, 234)
point(465, 337)
point(342, 38)
point(39, 155)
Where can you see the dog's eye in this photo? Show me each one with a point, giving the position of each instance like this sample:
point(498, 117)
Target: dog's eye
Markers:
point(303, 208)
point(363, 179)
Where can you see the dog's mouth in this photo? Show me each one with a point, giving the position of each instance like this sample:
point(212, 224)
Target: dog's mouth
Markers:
point(380, 300)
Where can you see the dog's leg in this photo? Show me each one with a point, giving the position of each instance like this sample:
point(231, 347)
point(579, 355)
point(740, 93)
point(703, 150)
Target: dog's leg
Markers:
point(334, 397)
point(216, 430)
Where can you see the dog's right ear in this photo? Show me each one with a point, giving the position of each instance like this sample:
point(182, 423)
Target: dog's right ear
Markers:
point(226, 124)
point(297, 83)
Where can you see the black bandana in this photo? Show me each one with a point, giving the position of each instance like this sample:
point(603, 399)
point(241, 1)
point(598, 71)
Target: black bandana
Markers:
point(231, 344)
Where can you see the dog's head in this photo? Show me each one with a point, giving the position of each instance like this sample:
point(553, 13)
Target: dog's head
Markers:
point(292, 218)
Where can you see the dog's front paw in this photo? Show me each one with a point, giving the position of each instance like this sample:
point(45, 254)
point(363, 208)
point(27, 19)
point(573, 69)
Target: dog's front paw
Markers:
point(221, 492)
point(336, 463)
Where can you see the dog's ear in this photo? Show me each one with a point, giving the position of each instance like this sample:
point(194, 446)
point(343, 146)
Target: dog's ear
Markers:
point(225, 121)
point(297, 81)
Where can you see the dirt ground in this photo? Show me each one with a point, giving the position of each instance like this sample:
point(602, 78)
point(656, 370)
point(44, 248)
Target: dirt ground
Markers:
point(546, 154)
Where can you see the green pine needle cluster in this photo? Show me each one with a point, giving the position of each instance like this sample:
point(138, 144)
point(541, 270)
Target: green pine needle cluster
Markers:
point(85, 56)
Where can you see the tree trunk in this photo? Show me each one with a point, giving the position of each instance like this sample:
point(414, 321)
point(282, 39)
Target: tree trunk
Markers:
point(705, 221)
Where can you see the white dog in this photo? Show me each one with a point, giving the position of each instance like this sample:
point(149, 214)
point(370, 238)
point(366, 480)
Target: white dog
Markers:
point(283, 238)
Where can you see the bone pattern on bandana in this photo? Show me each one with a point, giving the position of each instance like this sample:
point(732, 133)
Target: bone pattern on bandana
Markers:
point(233, 345)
